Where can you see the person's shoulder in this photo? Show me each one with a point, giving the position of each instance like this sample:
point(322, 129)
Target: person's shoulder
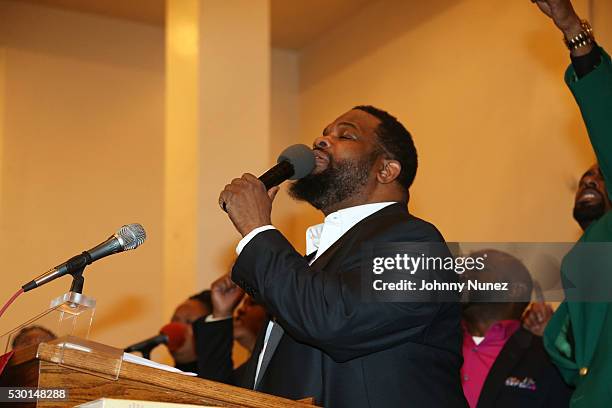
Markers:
point(422, 229)
point(600, 230)
point(397, 223)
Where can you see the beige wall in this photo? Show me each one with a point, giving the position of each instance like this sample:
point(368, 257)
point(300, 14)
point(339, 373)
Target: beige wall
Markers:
point(600, 15)
point(235, 117)
point(82, 132)
point(217, 128)
point(285, 131)
point(479, 84)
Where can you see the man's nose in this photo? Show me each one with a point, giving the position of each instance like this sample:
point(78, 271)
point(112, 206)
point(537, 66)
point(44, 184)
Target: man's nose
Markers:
point(589, 182)
point(322, 142)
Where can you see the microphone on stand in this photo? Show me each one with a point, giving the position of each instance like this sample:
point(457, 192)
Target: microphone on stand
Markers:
point(173, 335)
point(128, 237)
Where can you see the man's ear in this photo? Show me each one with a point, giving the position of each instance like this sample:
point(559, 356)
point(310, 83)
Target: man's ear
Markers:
point(389, 170)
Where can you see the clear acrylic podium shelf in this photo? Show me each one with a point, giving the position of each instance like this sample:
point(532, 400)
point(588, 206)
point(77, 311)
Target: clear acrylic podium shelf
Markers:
point(104, 361)
point(66, 324)
point(68, 315)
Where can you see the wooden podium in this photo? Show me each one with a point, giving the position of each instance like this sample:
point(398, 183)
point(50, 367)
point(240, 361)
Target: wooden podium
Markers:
point(85, 376)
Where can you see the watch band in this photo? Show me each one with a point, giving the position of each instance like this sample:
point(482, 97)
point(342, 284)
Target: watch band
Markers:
point(582, 39)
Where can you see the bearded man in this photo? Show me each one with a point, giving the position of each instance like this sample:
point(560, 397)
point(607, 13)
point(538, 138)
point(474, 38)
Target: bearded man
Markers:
point(591, 202)
point(592, 198)
point(324, 339)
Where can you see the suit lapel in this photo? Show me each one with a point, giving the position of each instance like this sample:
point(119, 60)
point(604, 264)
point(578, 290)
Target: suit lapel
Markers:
point(251, 365)
point(509, 356)
point(275, 337)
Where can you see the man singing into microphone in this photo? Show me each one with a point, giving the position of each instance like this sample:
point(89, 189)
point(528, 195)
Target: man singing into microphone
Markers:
point(324, 340)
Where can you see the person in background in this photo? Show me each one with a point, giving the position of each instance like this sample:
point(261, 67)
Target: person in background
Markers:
point(249, 319)
point(214, 334)
point(197, 306)
point(592, 198)
point(536, 317)
point(579, 335)
point(505, 365)
point(193, 308)
point(590, 204)
point(32, 335)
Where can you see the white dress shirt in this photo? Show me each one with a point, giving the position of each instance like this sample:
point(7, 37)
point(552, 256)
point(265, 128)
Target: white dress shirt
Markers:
point(318, 238)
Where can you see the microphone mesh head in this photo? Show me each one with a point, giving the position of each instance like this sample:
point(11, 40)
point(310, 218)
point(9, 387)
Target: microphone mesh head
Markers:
point(177, 334)
point(301, 158)
point(131, 236)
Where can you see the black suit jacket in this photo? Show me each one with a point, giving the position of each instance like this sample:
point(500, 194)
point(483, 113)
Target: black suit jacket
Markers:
point(338, 348)
point(214, 342)
point(523, 376)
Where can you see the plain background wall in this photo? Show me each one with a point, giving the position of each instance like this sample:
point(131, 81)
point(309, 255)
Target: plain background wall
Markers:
point(285, 130)
point(82, 132)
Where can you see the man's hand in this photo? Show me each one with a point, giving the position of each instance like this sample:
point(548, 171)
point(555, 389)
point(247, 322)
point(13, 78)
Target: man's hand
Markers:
point(563, 14)
point(247, 203)
point(536, 317)
point(225, 296)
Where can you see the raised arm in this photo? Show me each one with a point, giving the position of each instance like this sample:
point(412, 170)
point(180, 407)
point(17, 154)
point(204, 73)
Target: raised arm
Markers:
point(589, 77)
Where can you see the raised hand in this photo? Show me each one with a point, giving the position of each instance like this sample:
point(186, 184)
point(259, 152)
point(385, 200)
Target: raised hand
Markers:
point(565, 18)
point(562, 13)
point(225, 296)
point(536, 317)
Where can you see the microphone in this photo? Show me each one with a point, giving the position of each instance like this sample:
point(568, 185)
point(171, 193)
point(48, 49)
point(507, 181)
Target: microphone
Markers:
point(127, 237)
point(295, 162)
point(173, 335)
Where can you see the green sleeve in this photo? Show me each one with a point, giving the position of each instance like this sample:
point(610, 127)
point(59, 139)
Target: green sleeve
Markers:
point(593, 93)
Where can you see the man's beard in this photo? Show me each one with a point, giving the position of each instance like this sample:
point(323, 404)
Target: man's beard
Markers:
point(585, 213)
point(339, 181)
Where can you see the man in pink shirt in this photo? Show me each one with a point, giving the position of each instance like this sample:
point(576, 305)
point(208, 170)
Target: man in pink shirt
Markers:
point(504, 364)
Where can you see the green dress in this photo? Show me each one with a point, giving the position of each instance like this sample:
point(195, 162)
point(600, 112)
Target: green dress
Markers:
point(579, 335)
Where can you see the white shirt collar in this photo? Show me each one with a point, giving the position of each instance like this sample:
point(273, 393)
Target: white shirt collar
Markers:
point(322, 236)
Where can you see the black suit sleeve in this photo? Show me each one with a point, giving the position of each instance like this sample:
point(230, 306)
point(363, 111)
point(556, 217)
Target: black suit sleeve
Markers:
point(214, 342)
point(324, 308)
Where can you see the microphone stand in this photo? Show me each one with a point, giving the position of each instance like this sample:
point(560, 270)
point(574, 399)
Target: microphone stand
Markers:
point(77, 280)
point(146, 353)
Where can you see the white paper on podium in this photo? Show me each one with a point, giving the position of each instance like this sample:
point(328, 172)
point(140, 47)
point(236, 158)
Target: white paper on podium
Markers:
point(116, 403)
point(131, 358)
